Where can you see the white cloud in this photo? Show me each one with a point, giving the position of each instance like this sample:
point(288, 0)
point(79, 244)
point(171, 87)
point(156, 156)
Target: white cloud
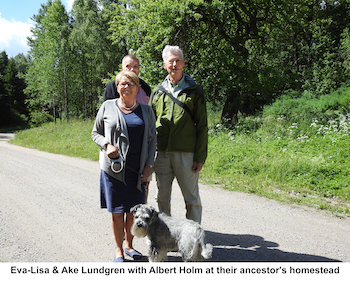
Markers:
point(13, 37)
point(13, 34)
point(69, 4)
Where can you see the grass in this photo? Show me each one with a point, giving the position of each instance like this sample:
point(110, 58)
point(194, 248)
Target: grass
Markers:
point(272, 156)
point(284, 160)
point(277, 170)
point(68, 138)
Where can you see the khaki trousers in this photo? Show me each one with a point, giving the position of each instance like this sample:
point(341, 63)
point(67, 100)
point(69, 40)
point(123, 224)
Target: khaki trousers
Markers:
point(169, 165)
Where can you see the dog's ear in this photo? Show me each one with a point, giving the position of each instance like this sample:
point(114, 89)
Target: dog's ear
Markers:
point(154, 213)
point(133, 210)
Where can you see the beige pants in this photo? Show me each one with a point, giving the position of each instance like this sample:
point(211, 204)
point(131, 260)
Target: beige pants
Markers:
point(169, 165)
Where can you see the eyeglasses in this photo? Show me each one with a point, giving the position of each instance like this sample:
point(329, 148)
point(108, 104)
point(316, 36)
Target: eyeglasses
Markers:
point(123, 85)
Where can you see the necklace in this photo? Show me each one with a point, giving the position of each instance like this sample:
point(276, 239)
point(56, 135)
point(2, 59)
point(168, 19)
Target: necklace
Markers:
point(128, 108)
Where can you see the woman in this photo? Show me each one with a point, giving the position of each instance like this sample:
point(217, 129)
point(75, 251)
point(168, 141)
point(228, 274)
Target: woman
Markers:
point(125, 131)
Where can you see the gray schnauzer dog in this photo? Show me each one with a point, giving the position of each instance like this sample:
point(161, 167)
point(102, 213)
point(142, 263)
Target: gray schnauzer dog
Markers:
point(166, 234)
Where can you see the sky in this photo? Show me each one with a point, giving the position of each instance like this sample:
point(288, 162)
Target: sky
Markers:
point(15, 23)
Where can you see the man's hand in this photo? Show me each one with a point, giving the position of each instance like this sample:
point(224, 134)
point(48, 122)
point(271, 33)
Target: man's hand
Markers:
point(197, 166)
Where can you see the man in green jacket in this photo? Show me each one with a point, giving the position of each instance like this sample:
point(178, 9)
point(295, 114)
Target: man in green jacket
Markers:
point(182, 134)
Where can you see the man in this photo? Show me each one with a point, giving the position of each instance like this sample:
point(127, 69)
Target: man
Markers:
point(182, 134)
point(131, 63)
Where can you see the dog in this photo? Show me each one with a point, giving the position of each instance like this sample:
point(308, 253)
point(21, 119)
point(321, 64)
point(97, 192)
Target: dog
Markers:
point(167, 234)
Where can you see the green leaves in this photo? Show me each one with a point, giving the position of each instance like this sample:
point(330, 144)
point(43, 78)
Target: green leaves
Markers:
point(13, 110)
point(45, 76)
point(70, 57)
point(245, 54)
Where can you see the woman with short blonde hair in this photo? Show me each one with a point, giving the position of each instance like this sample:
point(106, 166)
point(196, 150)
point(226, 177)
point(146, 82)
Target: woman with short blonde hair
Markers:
point(125, 131)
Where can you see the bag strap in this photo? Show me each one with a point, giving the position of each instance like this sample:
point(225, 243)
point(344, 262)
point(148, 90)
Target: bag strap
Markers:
point(178, 102)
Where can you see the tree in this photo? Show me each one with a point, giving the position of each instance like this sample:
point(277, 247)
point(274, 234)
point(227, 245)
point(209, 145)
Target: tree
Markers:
point(47, 76)
point(144, 27)
point(345, 50)
point(327, 59)
point(94, 54)
point(70, 57)
point(4, 95)
point(217, 37)
point(244, 53)
point(13, 109)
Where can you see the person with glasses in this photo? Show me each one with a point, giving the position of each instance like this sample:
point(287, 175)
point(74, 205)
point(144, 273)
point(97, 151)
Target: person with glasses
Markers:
point(125, 130)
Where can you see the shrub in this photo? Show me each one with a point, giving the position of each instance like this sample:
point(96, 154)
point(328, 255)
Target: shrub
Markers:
point(38, 118)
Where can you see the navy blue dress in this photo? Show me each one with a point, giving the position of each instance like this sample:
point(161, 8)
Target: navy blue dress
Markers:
point(115, 195)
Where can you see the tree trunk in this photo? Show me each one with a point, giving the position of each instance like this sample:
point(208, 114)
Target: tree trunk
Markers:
point(230, 111)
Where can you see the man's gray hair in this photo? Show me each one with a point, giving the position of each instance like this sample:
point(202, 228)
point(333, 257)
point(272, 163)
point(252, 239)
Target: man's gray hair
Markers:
point(171, 49)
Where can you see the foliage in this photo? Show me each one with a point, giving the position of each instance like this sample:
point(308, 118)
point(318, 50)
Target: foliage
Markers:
point(93, 55)
point(13, 109)
point(40, 117)
point(47, 73)
point(244, 54)
point(215, 48)
point(71, 56)
point(307, 107)
point(345, 49)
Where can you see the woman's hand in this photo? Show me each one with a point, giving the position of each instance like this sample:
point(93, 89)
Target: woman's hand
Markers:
point(111, 151)
point(146, 173)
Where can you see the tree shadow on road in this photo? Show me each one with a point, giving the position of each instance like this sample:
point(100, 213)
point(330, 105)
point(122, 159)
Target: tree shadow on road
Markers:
point(252, 248)
point(249, 248)
point(6, 136)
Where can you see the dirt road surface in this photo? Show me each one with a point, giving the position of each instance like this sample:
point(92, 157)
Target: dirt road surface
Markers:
point(49, 212)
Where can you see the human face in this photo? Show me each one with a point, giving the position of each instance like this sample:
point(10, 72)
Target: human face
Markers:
point(174, 64)
point(131, 65)
point(127, 88)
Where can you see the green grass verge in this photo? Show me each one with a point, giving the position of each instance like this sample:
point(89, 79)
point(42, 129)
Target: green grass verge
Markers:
point(291, 172)
point(68, 138)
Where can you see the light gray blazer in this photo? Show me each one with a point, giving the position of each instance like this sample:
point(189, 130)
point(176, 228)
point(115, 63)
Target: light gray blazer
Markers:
point(110, 128)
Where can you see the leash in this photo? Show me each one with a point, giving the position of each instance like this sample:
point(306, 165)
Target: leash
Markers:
point(131, 169)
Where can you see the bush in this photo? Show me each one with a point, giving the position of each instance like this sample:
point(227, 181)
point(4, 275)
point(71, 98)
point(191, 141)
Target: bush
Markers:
point(12, 119)
point(307, 106)
point(38, 118)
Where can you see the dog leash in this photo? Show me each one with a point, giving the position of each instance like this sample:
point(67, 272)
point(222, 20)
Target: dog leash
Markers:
point(133, 170)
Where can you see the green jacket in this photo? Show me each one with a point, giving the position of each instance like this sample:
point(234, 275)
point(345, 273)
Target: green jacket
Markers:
point(177, 131)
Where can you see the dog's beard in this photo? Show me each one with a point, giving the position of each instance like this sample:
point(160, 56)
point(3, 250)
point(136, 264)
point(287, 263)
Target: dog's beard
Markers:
point(138, 231)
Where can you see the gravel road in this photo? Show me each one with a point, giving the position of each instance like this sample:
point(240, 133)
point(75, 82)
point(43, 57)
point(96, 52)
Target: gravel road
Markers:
point(49, 212)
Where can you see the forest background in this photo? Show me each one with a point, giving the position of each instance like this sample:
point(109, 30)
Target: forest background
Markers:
point(275, 74)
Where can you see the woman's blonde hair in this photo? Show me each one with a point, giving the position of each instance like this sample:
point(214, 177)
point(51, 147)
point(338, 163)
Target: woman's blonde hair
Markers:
point(128, 74)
